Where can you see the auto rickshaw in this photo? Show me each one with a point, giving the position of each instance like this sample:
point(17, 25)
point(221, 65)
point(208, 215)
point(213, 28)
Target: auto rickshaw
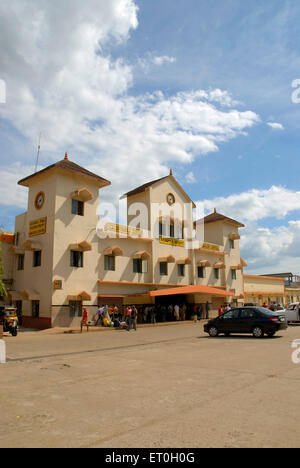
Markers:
point(9, 320)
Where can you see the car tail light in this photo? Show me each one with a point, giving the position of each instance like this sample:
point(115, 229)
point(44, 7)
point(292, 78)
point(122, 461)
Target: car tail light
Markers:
point(274, 319)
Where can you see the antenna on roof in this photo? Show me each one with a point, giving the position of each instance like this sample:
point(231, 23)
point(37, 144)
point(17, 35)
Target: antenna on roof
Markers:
point(38, 154)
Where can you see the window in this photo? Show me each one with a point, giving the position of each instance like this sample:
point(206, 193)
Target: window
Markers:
point(231, 243)
point(109, 262)
point(137, 265)
point(231, 314)
point(161, 228)
point(172, 229)
point(37, 258)
point(216, 273)
point(75, 309)
point(35, 309)
point(76, 259)
point(163, 268)
point(181, 270)
point(21, 262)
point(233, 274)
point(247, 314)
point(201, 272)
point(77, 207)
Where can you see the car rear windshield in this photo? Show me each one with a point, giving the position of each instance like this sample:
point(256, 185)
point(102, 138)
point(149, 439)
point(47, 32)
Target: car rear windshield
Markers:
point(267, 311)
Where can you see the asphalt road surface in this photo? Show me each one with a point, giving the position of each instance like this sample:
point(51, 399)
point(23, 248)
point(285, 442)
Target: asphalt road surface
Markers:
point(159, 387)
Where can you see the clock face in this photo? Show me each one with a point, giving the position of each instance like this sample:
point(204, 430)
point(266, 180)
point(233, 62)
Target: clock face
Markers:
point(39, 200)
point(170, 199)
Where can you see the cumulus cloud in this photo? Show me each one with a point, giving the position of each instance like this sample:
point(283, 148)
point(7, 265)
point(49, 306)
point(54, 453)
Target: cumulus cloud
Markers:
point(190, 178)
point(255, 204)
point(161, 60)
point(265, 249)
point(60, 82)
point(276, 126)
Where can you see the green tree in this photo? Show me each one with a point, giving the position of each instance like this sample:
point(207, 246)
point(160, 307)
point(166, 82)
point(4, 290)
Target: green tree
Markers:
point(2, 286)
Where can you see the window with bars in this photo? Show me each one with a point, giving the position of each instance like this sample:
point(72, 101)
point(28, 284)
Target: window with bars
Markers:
point(109, 262)
point(77, 207)
point(75, 309)
point(76, 259)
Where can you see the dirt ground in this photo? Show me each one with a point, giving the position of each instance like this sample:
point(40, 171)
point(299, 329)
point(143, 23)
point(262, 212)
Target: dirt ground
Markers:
point(159, 387)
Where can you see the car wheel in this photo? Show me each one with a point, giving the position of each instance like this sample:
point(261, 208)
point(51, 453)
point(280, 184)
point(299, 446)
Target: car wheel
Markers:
point(258, 332)
point(213, 331)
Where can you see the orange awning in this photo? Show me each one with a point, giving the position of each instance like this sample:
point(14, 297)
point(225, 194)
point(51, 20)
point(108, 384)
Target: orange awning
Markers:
point(219, 265)
point(204, 263)
point(82, 246)
point(30, 295)
point(116, 251)
point(143, 255)
point(169, 259)
point(29, 245)
point(83, 195)
point(80, 296)
point(236, 267)
point(193, 289)
point(234, 236)
point(185, 261)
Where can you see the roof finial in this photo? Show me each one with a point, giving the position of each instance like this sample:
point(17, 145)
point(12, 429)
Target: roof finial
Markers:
point(66, 156)
point(171, 172)
point(215, 210)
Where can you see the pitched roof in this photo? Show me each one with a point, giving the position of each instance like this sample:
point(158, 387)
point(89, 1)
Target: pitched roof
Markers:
point(142, 188)
point(70, 167)
point(213, 217)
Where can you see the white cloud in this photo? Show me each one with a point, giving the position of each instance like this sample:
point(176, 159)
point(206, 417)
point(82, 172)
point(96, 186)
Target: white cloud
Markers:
point(12, 194)
point(60, 83)
point(265, 249)
point(190, 178)
point(272, 250)
point(275, 125)
point(161, 60)
point(257, 204)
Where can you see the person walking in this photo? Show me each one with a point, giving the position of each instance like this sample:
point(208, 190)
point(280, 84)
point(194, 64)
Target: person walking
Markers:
point(195, 316)
point(200, 311)
point(100, 313)
point(220, 311)
point(84, 320)
point(128, 312)
point(153, 315)
point(134, 315)
point(207, 310)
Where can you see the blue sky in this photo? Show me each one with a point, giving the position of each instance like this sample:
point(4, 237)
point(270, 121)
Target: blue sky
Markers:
point(132, 83)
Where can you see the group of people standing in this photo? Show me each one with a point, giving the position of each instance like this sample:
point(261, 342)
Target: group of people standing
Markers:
point(130, 315)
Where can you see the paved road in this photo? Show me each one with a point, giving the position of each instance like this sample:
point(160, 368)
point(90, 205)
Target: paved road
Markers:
point(158, 387)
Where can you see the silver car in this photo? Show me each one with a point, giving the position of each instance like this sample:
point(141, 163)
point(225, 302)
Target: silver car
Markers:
point(292, 312)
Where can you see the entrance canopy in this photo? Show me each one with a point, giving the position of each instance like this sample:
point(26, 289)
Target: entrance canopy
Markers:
point(193, 289)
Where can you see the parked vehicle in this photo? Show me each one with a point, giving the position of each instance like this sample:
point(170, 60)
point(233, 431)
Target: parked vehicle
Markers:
point(255, 320)
point(292, 312)
point(9, 320)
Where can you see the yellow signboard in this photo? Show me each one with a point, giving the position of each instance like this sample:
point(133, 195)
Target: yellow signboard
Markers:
point(171, 241)
point(38, 227)
point(57, 284)
point(210, 246)
point(128, 231)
